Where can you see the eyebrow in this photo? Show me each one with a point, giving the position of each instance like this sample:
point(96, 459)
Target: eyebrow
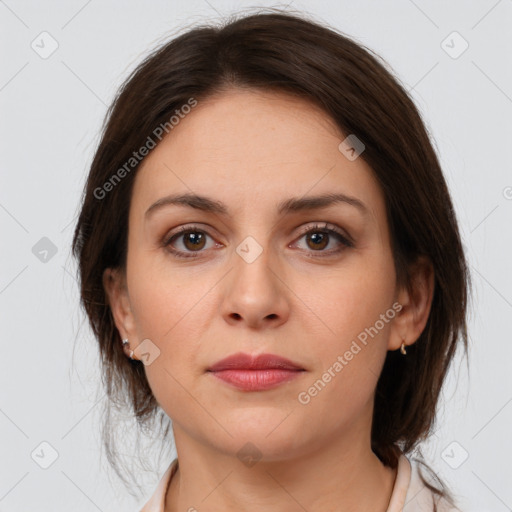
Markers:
point(293, 204)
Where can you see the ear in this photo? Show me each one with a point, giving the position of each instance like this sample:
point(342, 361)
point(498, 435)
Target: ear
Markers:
point(410, 321)
point(114, 283)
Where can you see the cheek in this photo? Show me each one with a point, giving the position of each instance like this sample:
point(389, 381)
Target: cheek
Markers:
point(351, 327)
point(172, 308)
point(349, 357)
point(163, 295)
point(166, 313)
point(346, 301)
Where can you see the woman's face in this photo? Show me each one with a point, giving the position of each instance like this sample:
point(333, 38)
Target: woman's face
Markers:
point(248, 280)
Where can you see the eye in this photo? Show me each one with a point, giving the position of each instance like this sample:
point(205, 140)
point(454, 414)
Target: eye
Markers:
point(318, 237)
point(192, 240)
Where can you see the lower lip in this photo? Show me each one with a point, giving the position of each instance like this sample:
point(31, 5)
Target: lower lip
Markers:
point(257, 380)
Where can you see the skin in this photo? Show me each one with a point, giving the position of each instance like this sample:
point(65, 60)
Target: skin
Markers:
point(251, 150)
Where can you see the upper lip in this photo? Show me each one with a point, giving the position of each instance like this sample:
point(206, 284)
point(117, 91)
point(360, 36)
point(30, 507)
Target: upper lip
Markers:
point(241, 361)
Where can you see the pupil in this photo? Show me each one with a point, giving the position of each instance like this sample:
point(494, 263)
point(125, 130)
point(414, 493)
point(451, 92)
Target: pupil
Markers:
point(194, 238)
point(318, 238)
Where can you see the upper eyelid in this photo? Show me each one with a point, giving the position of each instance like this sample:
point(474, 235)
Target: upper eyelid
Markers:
point(319, 225)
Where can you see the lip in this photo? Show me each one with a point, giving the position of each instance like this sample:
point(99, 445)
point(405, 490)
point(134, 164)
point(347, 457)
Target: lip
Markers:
point(255, 373)
point(241, 361)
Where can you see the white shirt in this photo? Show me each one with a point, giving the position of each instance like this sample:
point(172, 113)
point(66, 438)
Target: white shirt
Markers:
point(409, 492)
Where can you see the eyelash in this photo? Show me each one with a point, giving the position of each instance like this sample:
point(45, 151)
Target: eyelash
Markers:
point(317, 228)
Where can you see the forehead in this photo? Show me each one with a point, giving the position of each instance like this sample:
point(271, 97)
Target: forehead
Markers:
point(252, 149)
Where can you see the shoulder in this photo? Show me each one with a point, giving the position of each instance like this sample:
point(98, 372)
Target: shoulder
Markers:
point(419, 496)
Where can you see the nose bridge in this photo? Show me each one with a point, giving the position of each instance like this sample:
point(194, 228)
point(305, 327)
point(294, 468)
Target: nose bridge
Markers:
point(252, 265)
point(253, 253)
point(255, 293)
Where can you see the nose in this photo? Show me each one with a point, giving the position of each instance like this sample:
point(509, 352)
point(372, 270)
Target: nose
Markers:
point(255, 295)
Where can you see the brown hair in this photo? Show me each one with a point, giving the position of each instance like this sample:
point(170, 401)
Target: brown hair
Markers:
point(292, 54)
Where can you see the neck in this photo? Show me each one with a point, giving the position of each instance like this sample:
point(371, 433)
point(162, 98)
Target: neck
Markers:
point(341, 475)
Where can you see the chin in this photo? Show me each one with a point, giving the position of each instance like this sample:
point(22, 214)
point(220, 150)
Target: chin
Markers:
point(268, 440)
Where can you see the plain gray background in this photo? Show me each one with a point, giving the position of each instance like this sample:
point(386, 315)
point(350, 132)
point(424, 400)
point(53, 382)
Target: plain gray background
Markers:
point(52, 106)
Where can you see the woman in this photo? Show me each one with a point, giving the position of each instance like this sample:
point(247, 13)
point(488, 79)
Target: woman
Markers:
point(268, 254)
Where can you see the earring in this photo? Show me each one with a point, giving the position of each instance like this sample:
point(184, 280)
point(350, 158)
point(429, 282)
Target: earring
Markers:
point(402, 349)
point(125, 342)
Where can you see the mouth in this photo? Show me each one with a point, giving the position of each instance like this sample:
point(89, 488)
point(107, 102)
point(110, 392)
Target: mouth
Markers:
point(255, 373)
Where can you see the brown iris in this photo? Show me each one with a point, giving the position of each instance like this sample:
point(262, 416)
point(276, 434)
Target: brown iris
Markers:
point(318, 238)
point(195, 239)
